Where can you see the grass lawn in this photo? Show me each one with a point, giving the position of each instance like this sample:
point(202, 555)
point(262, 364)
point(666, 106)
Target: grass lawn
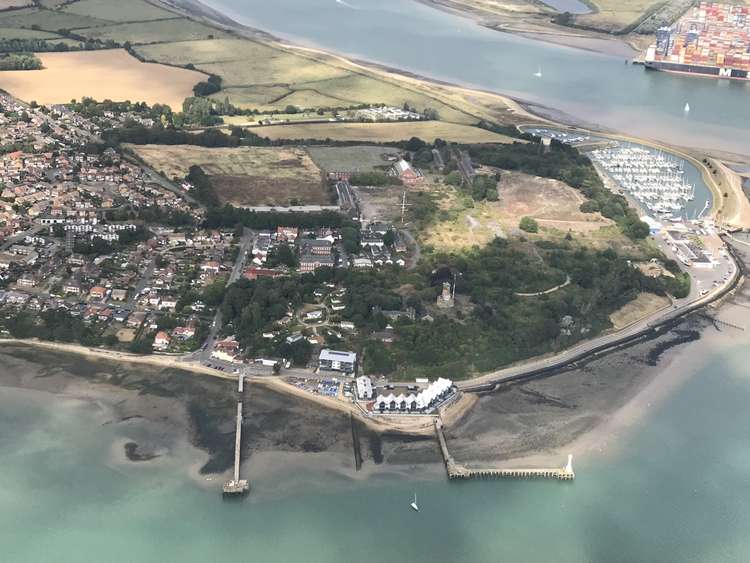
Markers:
point(245, 176)
point(382, 132)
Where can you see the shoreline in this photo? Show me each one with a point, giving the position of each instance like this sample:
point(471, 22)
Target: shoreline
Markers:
point(545, 31)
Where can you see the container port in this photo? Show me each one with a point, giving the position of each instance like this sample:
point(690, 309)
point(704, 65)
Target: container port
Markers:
point(711, 39)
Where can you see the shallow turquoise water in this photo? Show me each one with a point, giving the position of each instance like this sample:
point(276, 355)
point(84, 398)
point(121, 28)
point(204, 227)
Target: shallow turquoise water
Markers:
point(677, 491)
point(597, 88)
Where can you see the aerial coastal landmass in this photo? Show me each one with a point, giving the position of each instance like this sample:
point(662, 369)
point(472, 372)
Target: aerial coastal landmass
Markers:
point(255, 256)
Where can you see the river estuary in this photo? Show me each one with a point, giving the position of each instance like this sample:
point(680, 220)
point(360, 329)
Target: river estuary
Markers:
point(672, 486)
point(595, 88)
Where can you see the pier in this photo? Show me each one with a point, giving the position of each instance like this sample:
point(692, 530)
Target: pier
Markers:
point(237, 486)
point(457, 471)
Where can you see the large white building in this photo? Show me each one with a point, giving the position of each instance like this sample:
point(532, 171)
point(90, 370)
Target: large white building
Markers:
point(335, 360)
point(425, 399)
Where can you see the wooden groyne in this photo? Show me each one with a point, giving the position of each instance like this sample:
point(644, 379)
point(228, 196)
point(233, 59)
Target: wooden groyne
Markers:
point(458, 471)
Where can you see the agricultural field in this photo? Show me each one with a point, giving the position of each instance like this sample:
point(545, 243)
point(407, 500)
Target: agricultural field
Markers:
point(363, 158)
point(66, 76)
point(245, 176)
point(132, 10)
point(47, 20)
point(383, 132)
point(555, 206)
point(18, 33)
point(263, 77)
point(175, 29)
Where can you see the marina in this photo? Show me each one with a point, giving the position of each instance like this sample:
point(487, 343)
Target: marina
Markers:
point(653, 178)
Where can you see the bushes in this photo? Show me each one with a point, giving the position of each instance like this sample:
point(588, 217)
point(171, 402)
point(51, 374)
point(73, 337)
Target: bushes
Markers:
point(210, 86)
point(529, 225)
point(20, 61)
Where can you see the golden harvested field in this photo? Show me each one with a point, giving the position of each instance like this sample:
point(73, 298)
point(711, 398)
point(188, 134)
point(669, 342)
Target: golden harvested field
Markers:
point(553, 204)
point(112, 74)
point(383, 132)
point(245, 176)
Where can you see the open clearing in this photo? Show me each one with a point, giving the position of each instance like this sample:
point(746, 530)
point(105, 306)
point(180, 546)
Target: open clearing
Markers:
point(245, 176)
point(553, 204)
point(383, 132)
point(641, 306)
point(111, 74)
point(362, 158)
point(132, 10)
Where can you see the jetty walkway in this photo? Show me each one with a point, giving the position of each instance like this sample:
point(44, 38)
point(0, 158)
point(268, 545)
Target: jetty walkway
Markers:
point(237, 486)
point(457, 471)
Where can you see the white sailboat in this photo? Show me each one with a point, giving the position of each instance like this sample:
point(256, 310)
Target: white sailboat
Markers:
point(687, 107)
point(538, 73)
point(414, 504)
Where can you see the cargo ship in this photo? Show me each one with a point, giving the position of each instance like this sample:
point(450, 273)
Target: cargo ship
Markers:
point(711, 40)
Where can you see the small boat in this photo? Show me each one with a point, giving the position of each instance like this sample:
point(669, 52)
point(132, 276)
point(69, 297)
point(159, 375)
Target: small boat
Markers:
point(687, 107)
point(538, 73)
point(414, 504)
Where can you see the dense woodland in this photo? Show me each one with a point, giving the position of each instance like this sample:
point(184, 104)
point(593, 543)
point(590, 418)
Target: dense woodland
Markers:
point(491, 326)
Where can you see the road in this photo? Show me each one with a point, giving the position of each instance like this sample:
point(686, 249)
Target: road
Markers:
point(142, 282)
point(10, 241)
point(411, 241)
point(245, 245)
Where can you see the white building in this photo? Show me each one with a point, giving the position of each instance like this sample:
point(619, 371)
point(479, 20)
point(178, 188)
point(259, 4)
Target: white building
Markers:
point(425, 399)
point(335, 360)
point(364, 387)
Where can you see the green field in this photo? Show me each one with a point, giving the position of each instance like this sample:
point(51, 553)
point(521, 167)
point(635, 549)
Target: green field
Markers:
point(365, 158)
point(153, 31)
point(131, 10)
point(47, 20)
point(17, 33)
